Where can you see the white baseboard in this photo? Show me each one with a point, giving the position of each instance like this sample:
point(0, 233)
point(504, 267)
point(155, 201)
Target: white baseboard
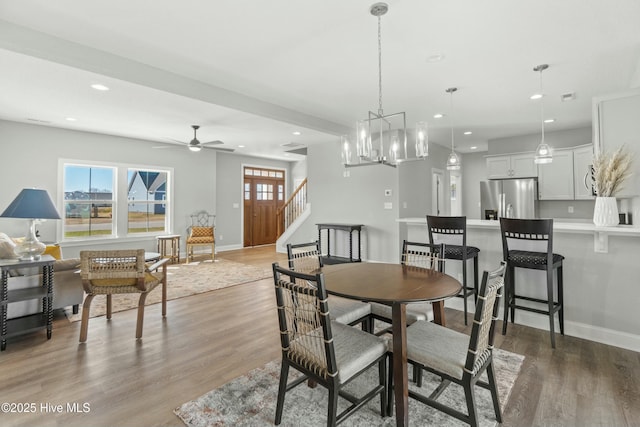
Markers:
point(228, 248)
point(574, 329)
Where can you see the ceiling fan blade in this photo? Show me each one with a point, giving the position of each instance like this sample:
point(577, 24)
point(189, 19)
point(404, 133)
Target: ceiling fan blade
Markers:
point(216, 142)
point(228, 150)
point(165, 146)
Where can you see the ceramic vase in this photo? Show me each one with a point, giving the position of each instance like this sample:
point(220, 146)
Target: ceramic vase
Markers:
point(605, 212)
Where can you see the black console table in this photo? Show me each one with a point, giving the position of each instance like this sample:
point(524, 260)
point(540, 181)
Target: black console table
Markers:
point(349, 228)
point(22, 325)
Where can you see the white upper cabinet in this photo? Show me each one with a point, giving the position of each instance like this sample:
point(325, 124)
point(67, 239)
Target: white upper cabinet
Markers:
point(555, 179)
point(512, 166)
point(582, 182)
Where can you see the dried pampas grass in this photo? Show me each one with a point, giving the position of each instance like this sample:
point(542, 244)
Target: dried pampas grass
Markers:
point(610, 171)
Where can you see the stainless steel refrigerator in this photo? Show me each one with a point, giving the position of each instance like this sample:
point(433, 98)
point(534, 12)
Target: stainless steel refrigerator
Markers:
point(509, 198)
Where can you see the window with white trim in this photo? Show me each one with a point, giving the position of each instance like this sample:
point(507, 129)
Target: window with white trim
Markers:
point(89, 201)
point(105, 200)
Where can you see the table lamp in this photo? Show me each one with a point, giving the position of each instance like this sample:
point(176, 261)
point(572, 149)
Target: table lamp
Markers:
point(31, 204)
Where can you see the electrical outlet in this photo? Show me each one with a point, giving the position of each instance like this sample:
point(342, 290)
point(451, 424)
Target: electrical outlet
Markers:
point(570, 209)
point(220, 237)
point(346, 174)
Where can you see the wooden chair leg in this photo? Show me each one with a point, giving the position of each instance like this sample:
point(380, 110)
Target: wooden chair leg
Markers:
point(464, 288)
point(164, 291)
point(282, 389)
point(471, 404)
point(560, 299)
point(493, 387)
point(109, 307)
point(84, 325)
point(550, 306)
point(139, 323)
point(476, 287)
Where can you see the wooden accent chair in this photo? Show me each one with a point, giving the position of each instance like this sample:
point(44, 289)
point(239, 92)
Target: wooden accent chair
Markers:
point(201, 233)
point(112, 272)
point(306, 258)
point(325, 351)
point(456, 357)
point(419, 255)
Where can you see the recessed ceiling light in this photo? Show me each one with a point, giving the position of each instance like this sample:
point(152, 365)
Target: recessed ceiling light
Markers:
point(296, 133)
point(438, 116)
point(240, 146)
point(71, 119)
point(549, 120)
point(473, 148)
point(99, 86)
point(468, 132)
point(536, 96)
point(436, 57)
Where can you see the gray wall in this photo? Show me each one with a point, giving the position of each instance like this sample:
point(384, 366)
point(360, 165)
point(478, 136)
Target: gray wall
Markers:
point(557, 139)
point(474, 170)
point(356, 199)
point(360, 197)
point(416, 180)
point(38, 148)
point(30, 155)
point(229, 201)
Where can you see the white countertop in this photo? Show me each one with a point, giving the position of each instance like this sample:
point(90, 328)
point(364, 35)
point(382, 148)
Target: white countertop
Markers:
point(567, 227)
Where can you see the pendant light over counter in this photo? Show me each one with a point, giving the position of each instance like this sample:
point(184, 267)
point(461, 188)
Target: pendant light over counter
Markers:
point(544, 153)
point(453, 161)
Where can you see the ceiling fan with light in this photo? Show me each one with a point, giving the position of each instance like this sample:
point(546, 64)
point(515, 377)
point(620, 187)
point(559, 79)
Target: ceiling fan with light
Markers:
point(196, 145)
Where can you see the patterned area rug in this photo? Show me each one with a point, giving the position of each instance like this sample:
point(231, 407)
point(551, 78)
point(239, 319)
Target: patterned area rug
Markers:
point(250, 400)
point(183, 280)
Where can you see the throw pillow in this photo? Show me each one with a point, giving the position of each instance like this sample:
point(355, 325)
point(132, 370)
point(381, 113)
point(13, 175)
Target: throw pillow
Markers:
point(6, 247)
point(54, 251)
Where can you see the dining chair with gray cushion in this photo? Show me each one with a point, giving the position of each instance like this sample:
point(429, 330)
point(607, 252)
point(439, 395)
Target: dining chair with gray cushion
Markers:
point(306, 258)
point(327, 352)
point(456, 357)
point(419, 255)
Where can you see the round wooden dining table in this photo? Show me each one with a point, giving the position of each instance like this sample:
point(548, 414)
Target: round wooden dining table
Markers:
point(394, 285)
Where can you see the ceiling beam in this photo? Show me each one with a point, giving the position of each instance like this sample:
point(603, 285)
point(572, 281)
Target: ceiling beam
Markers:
point(40, 45)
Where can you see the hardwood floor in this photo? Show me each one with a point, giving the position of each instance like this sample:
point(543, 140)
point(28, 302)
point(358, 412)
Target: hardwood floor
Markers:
point(208, 339)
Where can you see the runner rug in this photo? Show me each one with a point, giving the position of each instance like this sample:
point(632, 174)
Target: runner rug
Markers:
point(183, 280)
point(250, 400)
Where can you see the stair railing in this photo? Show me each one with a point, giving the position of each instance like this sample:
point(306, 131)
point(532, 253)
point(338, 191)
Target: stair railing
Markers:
point(292, 208)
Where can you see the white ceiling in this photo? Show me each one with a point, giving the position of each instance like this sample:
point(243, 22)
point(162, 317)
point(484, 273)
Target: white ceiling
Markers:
point(252, 72)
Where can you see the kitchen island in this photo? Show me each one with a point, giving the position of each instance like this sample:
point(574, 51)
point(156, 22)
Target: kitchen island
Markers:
point(601, 276)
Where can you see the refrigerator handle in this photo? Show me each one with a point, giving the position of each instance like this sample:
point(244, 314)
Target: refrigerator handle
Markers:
point(500, 205)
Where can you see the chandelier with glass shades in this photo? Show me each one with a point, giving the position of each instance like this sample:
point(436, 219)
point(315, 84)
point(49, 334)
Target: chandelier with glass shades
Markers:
point(382, 138)
point(544, 153)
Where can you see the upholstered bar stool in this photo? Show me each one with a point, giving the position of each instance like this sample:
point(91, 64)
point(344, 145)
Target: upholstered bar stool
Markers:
point(531, 230)
point(452, 230)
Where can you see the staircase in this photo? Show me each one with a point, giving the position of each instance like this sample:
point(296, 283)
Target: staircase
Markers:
point(292, 208)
